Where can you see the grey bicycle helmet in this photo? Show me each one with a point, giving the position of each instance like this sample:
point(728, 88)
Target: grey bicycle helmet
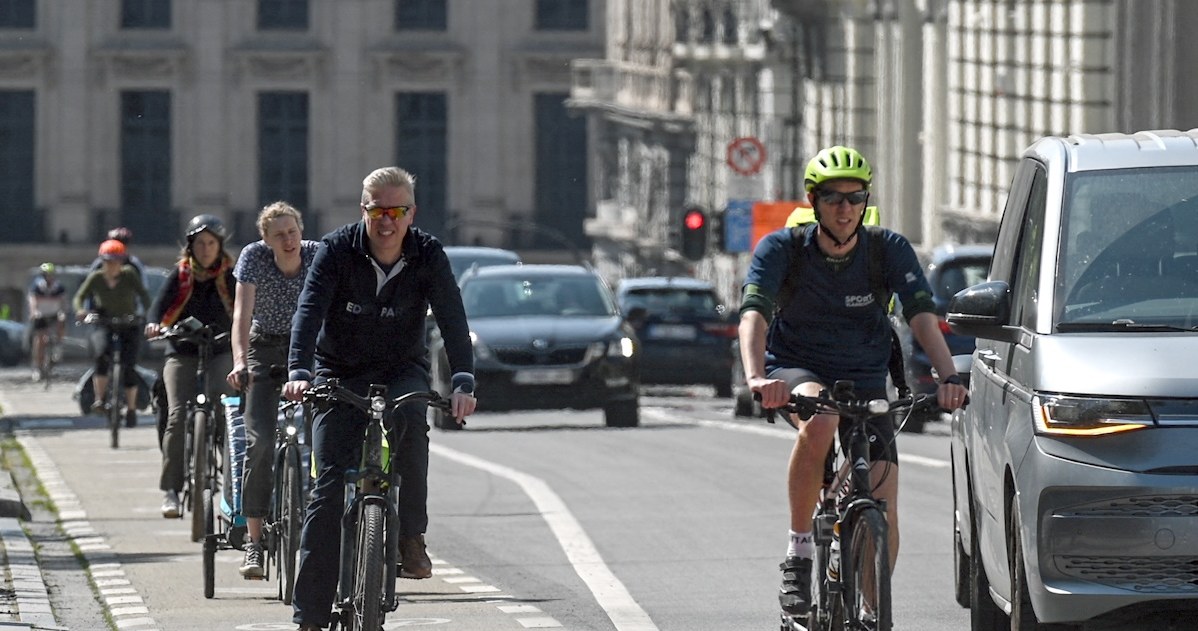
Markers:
point(211, 223)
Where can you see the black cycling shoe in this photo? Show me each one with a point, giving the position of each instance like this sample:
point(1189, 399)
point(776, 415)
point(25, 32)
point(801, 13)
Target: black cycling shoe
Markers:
point(795, 593)
point(130, 417)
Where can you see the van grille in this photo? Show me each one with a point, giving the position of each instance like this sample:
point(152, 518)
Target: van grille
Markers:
point(1156, 575)
point(1139, 506)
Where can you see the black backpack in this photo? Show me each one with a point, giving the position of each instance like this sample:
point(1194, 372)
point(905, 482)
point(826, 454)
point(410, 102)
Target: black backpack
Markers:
point(876, 264)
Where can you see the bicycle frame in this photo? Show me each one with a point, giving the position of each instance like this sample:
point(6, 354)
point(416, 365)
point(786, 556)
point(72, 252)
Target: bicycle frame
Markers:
point(371, 494)
point(116, 375)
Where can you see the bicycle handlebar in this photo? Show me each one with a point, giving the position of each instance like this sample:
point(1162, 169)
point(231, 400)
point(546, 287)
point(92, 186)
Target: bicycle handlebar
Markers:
point(847, 405)
point(332, 390)
point(193, 332)
point(112, 321)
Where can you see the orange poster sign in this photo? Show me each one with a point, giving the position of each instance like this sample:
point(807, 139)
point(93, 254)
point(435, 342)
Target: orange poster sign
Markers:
point(770, 216)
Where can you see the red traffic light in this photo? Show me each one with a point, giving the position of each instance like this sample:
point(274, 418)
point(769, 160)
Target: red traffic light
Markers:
point(694, 220)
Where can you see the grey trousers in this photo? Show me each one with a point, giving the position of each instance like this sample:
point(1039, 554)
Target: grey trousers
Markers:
point(261, 420)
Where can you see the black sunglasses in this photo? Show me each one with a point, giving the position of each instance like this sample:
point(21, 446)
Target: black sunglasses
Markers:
point(833, 198)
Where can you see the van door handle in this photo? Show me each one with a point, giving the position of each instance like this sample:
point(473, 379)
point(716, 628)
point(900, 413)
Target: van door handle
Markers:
point(989, 357)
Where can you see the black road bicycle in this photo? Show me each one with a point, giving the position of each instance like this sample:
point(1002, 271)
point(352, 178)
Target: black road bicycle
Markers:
point(204, 432)
point(851, 583)
point(370, 526)
point(113, 327)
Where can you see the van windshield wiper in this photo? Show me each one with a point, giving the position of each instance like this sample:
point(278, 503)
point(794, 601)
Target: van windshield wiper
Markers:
point(1124, 324)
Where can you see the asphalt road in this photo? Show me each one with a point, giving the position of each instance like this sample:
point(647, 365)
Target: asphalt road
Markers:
point(539, 520)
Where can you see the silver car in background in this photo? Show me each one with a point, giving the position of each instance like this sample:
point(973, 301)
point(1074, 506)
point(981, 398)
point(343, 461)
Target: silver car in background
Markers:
point(1075, 467)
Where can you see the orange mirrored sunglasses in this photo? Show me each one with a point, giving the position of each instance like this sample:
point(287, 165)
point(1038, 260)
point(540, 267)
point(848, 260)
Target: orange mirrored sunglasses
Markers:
point(394, 212)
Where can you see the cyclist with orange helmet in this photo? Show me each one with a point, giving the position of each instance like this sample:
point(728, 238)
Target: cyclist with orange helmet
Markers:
point(832, 328)
point(113, 291)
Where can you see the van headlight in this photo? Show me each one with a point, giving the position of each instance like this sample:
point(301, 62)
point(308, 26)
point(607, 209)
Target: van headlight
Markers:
point(1082, 416)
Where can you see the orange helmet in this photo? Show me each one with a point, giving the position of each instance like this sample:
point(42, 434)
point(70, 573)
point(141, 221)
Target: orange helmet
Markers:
point(112, 249)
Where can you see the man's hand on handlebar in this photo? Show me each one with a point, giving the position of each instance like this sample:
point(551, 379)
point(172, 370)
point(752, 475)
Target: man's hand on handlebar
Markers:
point(463, 406)
point(775, 393)
point(952, 396)
point(294, 390)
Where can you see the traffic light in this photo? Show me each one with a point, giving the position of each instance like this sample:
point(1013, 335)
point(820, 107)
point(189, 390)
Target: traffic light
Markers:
point(694, 234)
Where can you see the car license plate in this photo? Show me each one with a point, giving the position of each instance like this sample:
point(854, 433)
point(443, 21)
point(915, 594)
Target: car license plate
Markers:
point(672, 332)
point(543, 376)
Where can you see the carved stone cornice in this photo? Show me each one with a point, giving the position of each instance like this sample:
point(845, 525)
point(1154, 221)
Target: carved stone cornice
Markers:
point(416, 63)
point(287, 63)
point(122, 61)
point(23, 60)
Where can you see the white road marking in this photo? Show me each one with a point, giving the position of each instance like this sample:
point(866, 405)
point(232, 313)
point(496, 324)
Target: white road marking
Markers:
point(609, 592)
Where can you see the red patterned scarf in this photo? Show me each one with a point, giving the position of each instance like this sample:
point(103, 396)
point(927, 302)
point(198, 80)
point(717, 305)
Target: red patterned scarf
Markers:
point(190, 273)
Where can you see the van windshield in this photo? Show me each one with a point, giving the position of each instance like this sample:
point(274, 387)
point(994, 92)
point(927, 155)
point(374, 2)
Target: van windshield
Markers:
point(1129, 248)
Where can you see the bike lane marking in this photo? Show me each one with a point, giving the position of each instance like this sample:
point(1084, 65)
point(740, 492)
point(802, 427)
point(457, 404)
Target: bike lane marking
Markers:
point(609, 592)
point(121, 600)
point(785, 433)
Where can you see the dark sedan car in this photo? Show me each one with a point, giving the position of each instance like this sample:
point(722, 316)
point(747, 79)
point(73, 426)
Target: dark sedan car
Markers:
point(546, 337)
point(951, 269)
point(464, 257)
point(686, 334)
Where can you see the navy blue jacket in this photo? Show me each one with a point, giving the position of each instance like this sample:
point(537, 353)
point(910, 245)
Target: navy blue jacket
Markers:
point(353, 328)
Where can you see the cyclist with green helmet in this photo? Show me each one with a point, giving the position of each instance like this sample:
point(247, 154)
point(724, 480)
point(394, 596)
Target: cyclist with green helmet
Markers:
point(47, 310)
point(832, 328)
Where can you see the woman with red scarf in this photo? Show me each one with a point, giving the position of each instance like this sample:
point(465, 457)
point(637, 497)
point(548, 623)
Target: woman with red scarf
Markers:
point(201, 286)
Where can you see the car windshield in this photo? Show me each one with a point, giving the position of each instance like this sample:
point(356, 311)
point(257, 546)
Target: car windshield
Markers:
point(1129, 252)
point(536, 296)
point(461, 263)
point(671, 300)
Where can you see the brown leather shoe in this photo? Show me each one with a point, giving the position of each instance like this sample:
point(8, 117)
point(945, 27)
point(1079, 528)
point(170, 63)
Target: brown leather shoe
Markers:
point(415, 562)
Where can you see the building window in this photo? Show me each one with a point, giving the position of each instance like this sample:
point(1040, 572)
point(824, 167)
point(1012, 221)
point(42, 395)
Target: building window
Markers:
point(427, 15)
point(421, 132)
point(730, 25)
point(561, 170)
point(16, 168)
point(146, 14)
point(282, 15)
point(146, 167)
point(562, 15)
point(17, 14)
point(283, 131)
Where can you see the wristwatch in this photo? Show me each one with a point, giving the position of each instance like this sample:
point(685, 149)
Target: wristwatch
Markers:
point(953, 379)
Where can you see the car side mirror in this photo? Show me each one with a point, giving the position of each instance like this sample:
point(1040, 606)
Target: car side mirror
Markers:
point(983, 311)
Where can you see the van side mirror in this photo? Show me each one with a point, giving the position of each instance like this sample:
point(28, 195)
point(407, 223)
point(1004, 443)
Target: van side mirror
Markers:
point(983, 311)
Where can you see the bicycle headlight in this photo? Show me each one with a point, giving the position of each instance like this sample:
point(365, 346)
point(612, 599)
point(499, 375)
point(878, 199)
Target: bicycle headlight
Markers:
point(1080, 416)
point(378, 404)
point(291, 431)
point(879, 406)
point(201, 399)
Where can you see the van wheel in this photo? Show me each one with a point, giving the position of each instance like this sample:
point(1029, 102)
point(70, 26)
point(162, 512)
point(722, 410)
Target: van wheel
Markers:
point(960, 561)
point(1023, 617)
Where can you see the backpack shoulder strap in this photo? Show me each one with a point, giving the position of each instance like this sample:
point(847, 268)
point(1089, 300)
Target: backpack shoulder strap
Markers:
point(787, 290)
point(877, 267)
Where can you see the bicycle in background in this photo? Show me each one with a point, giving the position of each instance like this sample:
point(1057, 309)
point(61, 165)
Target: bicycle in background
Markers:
point(851, 586)
point(370, 526)
point(116, 375)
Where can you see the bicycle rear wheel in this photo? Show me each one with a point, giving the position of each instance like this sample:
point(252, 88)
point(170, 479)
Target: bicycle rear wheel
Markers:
point(199, 471)
point(289, 520)
point(209, 544)
point(368, 569)
point(114, 404)
point(867, 584)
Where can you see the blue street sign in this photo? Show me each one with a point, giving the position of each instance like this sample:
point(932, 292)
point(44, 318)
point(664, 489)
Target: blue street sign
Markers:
point(738, 225)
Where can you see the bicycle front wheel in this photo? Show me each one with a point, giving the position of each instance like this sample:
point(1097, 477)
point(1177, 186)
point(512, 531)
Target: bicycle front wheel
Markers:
point(114, 404)
point(199, 471)
point(867, 584)
point(368, 569)
point(289, 520)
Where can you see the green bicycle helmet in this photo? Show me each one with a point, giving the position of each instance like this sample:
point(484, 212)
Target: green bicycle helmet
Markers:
point(835, 163)
point(48, 268)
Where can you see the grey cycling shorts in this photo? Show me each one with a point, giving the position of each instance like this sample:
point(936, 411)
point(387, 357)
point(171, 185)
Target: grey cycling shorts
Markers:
point(882, 445)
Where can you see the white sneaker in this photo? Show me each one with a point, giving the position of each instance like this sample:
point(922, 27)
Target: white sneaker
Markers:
point(171, 508)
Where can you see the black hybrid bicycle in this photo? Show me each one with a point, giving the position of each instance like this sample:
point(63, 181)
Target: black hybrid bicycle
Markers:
point(204, 437)
point(113, 327)
point(851, 584)
point(282, 530)
point(370, 526)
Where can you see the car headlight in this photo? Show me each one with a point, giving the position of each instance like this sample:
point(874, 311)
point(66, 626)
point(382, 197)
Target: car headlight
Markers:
point(481, 350)
point(622, 347)
point(1080, 416)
